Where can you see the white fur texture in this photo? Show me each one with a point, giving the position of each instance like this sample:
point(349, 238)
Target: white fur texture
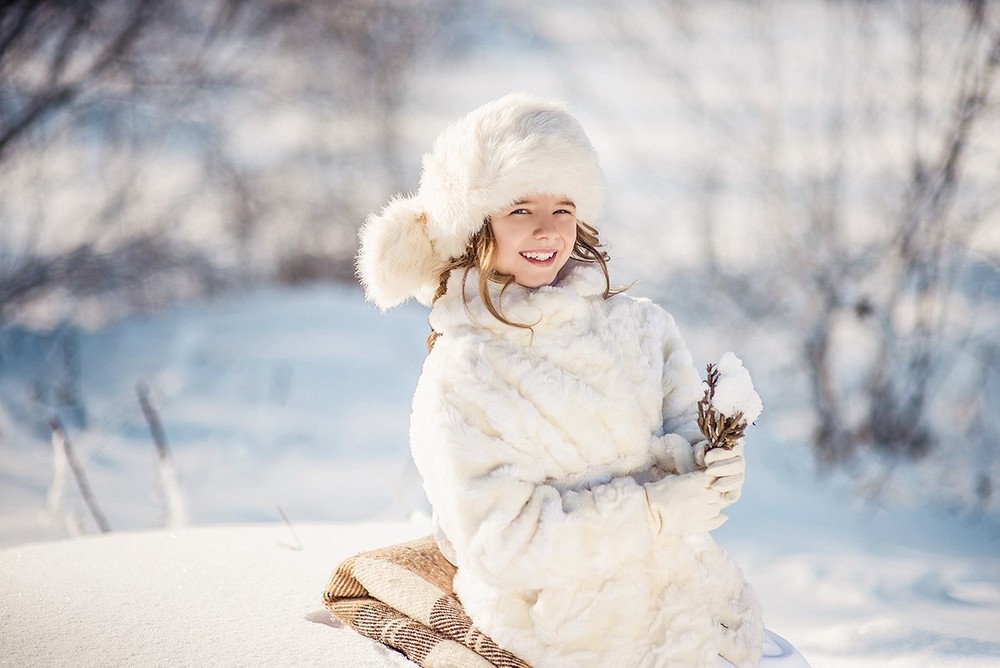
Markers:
point(396, 254)
point(506, 149)
point(536, 449)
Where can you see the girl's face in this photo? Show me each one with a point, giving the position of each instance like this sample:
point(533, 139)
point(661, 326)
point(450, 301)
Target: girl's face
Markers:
point(534, 238)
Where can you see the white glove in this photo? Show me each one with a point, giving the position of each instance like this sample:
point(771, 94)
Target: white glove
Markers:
point(726, 470)
point(683, 504)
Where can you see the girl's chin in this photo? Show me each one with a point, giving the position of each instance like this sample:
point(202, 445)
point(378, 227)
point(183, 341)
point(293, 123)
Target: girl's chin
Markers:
point(536, 279)
point(537, 276)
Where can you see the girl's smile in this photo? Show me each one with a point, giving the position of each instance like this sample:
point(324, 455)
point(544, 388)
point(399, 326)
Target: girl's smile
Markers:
point(539, 257)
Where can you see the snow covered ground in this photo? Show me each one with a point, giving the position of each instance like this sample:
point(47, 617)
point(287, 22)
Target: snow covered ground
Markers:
point(246, 595)
point(295, 402)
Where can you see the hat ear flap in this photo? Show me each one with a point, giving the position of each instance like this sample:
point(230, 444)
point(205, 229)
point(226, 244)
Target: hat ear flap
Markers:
point(396, 260)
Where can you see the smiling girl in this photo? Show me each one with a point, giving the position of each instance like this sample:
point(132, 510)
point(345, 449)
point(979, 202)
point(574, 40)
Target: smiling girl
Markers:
point(554, 423)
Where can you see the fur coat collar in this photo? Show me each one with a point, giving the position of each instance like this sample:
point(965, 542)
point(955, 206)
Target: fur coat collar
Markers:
point(554, 306)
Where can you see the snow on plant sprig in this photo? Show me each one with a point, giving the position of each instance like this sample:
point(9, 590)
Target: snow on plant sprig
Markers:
point(729, 404)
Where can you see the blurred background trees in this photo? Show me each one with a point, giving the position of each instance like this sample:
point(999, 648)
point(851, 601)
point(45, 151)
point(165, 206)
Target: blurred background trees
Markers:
point(822, 178)
point(153, 151)
point(849, 215)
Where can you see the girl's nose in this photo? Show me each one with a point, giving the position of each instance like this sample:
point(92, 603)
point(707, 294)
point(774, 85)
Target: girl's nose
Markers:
point(546, 227)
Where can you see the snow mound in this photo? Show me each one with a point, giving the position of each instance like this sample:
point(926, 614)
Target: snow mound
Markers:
point(734, 391)
point(208, 596)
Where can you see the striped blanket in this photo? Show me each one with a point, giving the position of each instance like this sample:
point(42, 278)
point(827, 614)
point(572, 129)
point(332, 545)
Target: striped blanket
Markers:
point(401, 596)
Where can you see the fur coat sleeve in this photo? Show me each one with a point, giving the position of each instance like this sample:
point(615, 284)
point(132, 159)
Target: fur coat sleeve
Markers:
point(536, 449)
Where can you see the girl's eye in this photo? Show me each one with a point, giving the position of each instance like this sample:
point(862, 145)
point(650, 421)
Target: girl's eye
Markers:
point(564, 212)
point(521, 212)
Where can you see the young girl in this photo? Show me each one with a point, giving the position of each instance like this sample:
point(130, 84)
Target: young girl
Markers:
point(554, 420)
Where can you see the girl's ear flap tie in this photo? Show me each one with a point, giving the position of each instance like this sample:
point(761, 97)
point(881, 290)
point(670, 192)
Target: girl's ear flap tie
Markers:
point(396, 260)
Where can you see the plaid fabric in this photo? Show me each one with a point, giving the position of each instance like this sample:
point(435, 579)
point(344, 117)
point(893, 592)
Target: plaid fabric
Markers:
point(401, 596)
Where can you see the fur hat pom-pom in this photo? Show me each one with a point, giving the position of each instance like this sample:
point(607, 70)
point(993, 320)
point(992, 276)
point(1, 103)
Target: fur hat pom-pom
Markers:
point(396, 260)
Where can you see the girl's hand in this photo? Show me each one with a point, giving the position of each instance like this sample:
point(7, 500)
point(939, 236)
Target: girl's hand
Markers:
point(726, 469)
point(684, 504)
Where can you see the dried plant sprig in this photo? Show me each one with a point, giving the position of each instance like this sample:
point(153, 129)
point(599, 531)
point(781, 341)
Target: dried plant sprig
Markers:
point(721, 431)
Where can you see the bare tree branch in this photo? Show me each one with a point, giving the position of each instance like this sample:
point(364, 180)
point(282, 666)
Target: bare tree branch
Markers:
point(57, 93)
point(59, 436)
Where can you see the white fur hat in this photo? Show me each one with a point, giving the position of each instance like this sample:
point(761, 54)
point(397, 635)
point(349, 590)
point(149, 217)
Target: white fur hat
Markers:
point(515, 146)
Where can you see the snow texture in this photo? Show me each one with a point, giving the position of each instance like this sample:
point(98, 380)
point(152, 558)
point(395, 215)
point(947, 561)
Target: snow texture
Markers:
point(209, 596)
point(734, 391)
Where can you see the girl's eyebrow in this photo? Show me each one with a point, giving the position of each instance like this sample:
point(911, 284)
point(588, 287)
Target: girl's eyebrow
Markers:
point(564, 202)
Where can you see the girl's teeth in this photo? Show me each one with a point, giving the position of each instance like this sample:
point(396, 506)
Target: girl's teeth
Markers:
point(538, 256)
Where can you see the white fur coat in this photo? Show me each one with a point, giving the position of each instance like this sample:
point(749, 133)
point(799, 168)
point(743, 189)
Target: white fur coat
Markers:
point(534, 448)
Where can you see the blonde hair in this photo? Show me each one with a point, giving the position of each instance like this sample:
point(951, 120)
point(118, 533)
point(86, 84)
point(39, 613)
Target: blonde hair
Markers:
point(480, 253)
